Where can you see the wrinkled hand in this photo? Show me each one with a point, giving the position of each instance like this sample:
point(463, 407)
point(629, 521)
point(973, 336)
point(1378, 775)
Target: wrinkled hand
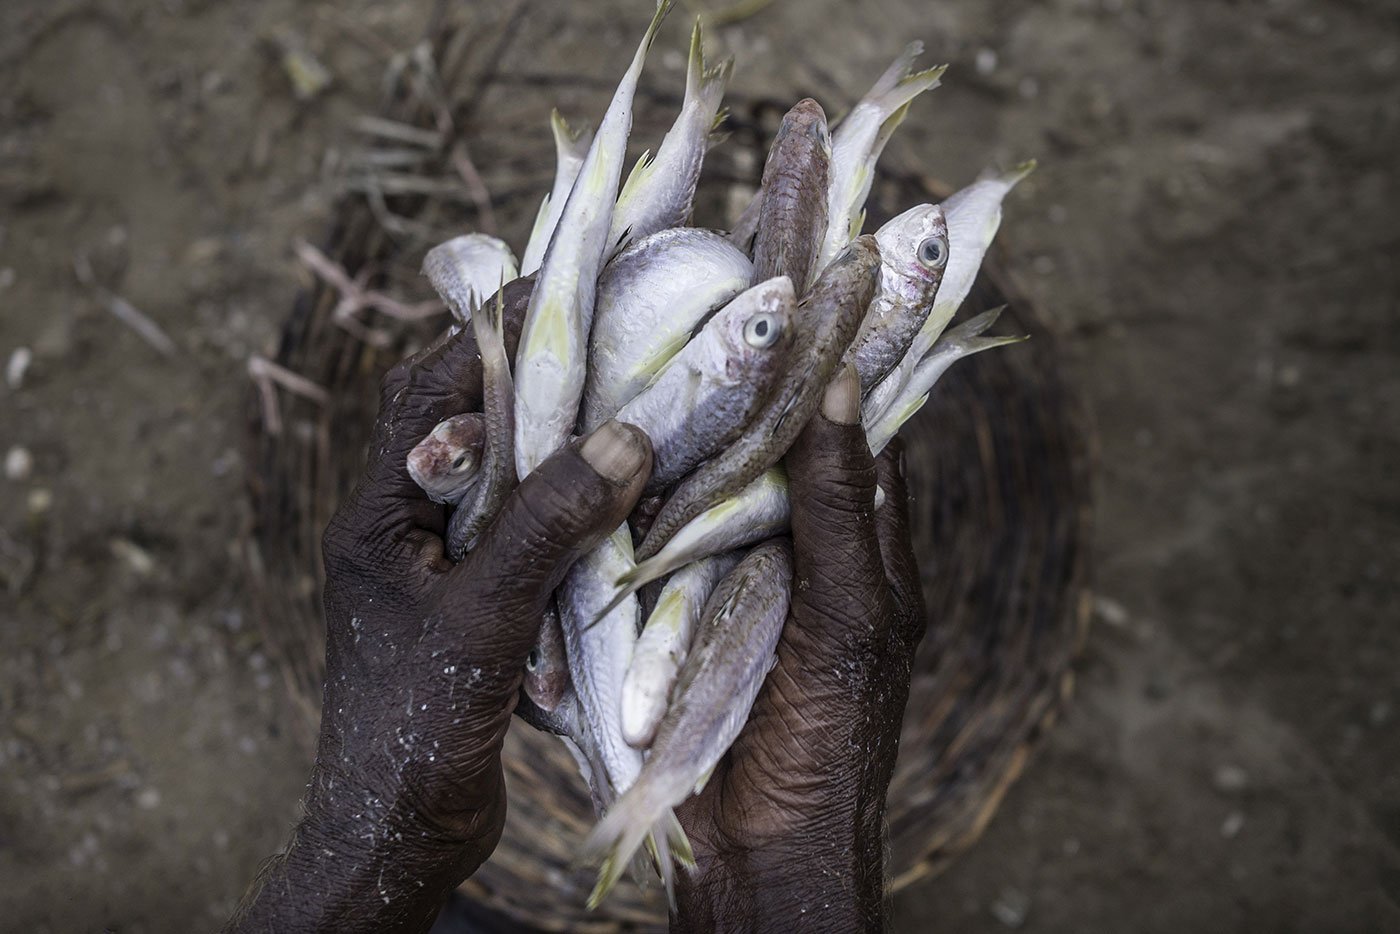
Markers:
point(424, 660)
point(788, 831)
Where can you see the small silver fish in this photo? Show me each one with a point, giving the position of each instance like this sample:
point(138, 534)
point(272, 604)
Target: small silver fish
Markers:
point(858, 142)
point(660, 191)
point(708, 393)
point(446, 464)
point(551, 361)
point(913, 255)
point(973, 215)
point(497, 461)
point(570, 147)
point(960, 342)
point(664, 644)
point(599, 655)
point(467, 270)
point(732, 655)
point(827, 320)
point(650, 298)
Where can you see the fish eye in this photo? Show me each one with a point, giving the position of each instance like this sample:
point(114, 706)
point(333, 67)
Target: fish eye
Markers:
point(762, 330)
point(460, 462)
point(532, 661)
point(933, 252)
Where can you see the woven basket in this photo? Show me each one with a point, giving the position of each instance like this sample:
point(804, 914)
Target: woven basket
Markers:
point(999, 464)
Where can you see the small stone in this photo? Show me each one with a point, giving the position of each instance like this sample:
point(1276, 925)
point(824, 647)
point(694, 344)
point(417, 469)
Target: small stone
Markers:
point(18, 365)
point(1233, 824)
point(1111, 611)
point(1011, 907)
point(138, 559)
point(1070, 847)
point(1381, 712)
point(1231, 778)
point(7, 278)
point(1029, 88)
point(148, 799)
point(19, 464)
point(986, 61)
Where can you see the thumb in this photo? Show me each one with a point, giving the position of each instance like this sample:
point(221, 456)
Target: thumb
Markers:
point(561, 511)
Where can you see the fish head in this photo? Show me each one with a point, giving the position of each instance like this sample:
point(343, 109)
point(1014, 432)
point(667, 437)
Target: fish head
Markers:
point(467, 270)
point(807, 119)
point(445, 463)
point(755, 331)
point(914, 253)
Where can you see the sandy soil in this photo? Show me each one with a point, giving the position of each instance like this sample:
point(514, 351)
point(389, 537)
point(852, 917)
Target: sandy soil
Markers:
point(1213, 226)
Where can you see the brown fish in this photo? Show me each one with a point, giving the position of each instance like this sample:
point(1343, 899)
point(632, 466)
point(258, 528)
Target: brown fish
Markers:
point(793, 210)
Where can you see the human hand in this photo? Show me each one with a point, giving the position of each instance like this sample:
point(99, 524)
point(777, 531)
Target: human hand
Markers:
point(424, 660)
point(787, 833)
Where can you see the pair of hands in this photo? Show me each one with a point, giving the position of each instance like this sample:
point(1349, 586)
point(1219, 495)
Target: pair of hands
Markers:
point(425, 660)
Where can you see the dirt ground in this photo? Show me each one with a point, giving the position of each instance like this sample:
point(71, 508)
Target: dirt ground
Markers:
point(1213, 227)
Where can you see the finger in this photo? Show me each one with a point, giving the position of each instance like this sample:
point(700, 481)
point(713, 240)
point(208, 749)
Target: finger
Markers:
point(893, 529)
point(441, 381)
point(562, 510)
point(840, 589)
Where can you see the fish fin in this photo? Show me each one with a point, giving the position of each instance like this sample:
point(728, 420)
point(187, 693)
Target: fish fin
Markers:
point(704, 780)
point(551, 332)
point(857, 225)
point(653, 366)
point(641, 171)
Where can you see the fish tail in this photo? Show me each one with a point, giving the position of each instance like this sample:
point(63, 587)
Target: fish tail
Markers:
point(569, 142)
point(488, 324)
point(899, 85)
point(966, 340)
point(705, 86)
point(663, 7)
point(1013, 175)
point(974, 326)
point(669, 847)
point(643, 815)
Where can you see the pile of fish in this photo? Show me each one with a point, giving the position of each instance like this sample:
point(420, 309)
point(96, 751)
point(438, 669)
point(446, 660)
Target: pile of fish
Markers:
point(720, 347)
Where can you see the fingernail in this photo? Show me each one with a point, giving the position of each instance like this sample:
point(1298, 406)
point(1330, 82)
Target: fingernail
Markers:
point(841, 404)
point(616, 451)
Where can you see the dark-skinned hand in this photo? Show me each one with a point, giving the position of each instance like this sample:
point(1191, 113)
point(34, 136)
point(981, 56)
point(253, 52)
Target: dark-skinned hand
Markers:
point(424, 661)
point(788, 832)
